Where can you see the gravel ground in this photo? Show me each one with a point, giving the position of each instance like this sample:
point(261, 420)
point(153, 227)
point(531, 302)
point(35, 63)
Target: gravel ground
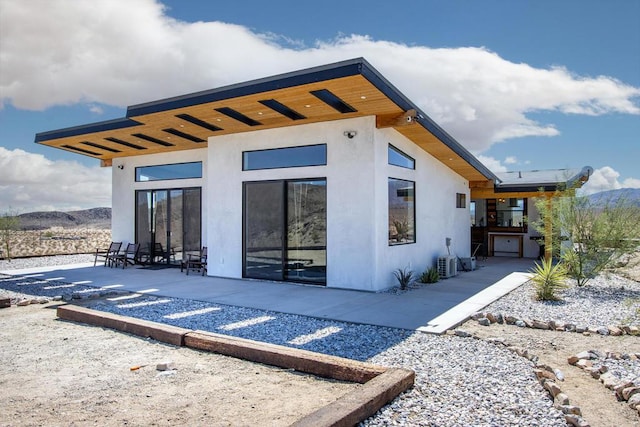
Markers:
point(596, 304)
point(459, 381)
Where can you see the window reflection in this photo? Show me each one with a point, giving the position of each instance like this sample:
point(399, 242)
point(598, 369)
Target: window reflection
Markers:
point(401, 211)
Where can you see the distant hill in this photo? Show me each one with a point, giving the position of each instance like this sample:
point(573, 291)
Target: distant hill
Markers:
point(630, 194)
point(98, 218)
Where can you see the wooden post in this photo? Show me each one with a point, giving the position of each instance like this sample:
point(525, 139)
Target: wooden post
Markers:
point(548, 231)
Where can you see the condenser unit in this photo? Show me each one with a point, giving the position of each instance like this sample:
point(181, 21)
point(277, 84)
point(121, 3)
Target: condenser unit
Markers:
point(447, 266)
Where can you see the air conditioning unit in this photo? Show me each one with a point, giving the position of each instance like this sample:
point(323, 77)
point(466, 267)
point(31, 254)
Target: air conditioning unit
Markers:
point(447, 266)
point(468, 264)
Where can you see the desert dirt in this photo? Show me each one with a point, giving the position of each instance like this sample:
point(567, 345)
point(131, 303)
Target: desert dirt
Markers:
point(54, 372)
point(56, 241)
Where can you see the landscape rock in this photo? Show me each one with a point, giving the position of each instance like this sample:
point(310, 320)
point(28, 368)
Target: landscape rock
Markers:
point(575, 420)
point(614, 331)
point(462, 333)
point(23, 303)
point(510, 320)
point(585, 355)
point(570, 327)
point(634, 400)
point(476, 316)
point(166, 366)
point(561, 399)
point(608, 380)
point(484, 321)
point(584, 363)
point(570, 409)
point(539, 324)
point(520, 323)
point(492, 318)
point(628, 392)
point(559, 375)
point(552, 388)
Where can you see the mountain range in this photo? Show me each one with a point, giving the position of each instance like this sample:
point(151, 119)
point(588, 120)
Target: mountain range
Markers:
point(98, 218)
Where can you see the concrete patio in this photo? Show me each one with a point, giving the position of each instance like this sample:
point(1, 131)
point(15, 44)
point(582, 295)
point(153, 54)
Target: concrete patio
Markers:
point(429, 308)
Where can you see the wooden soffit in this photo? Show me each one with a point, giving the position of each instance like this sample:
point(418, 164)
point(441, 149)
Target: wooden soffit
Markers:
point(185, 123)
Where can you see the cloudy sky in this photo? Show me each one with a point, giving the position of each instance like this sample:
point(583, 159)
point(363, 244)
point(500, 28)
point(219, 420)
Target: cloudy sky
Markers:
point(523, 85)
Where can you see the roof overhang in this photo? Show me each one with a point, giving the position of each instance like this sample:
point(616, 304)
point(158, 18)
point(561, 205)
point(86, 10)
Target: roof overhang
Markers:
point(522, 184)
point(337, 91)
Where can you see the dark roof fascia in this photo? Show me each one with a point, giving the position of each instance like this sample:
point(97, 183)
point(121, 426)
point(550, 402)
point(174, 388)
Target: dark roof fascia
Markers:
point(423, 119)
point(85, 129)
point(296, 78)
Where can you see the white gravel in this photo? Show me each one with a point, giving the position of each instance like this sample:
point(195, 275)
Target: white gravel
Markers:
point(596, 304)
point(459, 381)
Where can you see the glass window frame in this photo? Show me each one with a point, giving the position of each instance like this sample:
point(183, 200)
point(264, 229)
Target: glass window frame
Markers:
point(461, 201)
point(391, 148)
point(139, 170)
point(247, 167)
point(413, 213)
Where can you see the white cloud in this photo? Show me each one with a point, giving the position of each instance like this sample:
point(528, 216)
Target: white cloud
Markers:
point(96, 109)
point(493, 164)
point(58, 52)
point(30, 182)
point(511, 160)
point(607, 178)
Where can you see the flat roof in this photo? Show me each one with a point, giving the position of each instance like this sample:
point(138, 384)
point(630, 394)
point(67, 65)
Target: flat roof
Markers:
point(548, 180)
point(342, 90)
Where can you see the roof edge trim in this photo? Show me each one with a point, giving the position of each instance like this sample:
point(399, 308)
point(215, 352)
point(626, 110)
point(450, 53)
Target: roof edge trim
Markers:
point(85, 129)
point(336, 70)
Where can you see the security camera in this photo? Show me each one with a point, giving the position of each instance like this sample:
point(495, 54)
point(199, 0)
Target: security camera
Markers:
point(409, 119)
point(120, 167)
point(350, 134)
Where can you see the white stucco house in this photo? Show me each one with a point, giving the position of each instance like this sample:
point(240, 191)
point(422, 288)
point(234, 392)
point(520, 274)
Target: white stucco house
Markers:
point(327, 176)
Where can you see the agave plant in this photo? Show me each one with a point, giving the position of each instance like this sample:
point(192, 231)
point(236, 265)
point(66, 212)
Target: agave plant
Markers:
point(404, 276)
point(548, 280)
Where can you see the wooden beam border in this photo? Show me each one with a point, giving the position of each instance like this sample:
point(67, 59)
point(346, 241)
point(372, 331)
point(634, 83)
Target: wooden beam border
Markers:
point(380, 385)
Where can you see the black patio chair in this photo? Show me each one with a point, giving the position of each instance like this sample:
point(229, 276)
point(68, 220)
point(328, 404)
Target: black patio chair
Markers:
point(105, 253)
point(196, 262)
point(129, 256)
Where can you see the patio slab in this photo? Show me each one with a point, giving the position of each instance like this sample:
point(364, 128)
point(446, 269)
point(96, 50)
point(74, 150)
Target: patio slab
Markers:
point(429, 308)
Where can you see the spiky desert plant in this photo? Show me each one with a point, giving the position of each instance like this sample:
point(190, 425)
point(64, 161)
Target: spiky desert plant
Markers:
point(431, 275)
point(404, 276)
point(548, 280)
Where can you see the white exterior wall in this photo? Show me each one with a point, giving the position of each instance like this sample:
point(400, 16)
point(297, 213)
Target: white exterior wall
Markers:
point(124, 186)
point(436, 214)
point(357, 172)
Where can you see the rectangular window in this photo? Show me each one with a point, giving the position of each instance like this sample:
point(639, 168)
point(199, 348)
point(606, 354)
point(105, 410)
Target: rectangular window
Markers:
point(402, 223)
point(472, 209)
point(511, 212)
point(398, 158)
point(290, 157)
point(172, 171)
point(461, 200)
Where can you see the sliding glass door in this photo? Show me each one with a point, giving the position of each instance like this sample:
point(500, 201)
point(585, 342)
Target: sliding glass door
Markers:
point(285, 225)
point(168, 224)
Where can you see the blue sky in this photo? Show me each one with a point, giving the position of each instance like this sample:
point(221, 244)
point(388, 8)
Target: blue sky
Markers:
point(523, 85)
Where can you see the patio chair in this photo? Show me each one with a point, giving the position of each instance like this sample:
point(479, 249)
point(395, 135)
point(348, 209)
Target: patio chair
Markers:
point(196, 262)
point(105, 253)
point(129, 256)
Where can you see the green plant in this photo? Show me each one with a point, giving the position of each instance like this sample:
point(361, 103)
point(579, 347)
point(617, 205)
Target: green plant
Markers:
point(548, 280)
point(599, 233)
point(9, 224)
point(404, 276)
point(431, 275)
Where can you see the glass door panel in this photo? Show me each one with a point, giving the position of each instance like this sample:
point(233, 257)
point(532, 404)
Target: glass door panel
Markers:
point(192, 224)
point(144, 228)
point(174, 247)
point(264, 230)
point(306, 259)
point(168, 224)
point(160, 224)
